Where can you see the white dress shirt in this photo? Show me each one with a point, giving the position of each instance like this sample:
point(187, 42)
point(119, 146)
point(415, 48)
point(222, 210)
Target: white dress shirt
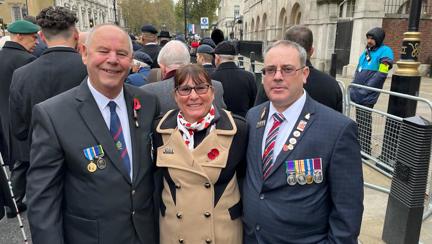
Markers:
point(121, 110)
point(291, 115)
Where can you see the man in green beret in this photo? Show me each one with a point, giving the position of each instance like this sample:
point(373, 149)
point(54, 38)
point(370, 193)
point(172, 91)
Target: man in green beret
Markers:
point(14, 54)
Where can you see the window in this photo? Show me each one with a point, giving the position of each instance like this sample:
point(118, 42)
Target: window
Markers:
point(16, 13)
point(236, 11)
point(346, 9)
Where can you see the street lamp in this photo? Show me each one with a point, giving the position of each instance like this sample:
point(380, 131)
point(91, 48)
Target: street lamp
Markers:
point(115, 12)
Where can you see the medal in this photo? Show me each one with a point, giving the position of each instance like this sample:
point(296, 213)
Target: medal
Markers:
point(301, 178)
point(291, 178)
point(317, 166)
point(91, 167)
point(309, 172)
point(101, 163)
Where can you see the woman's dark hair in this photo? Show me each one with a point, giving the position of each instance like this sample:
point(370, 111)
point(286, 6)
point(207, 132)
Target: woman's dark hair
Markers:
point(194, 71)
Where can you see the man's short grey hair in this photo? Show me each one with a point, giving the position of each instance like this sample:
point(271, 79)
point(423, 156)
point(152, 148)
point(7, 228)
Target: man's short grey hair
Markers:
point(286, 43)
point(226, 57)
point(92, 31)
point(174, 54)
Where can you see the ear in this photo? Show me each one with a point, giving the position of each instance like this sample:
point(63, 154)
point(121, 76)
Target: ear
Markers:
point(42, 36)
point(84, 54)
point(305, 74)
point(311, 52)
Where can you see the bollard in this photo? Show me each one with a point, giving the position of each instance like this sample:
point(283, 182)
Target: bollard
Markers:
point(252, 61)
point(405, 204)
point(333, 65)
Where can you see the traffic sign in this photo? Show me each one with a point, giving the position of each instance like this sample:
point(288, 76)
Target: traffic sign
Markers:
point(204, 23)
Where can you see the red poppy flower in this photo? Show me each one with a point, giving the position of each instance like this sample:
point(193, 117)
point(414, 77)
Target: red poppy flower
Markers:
point(213, 154)
point(137, 104)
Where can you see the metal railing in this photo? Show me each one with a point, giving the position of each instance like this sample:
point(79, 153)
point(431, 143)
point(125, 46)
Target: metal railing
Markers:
point(403, 7)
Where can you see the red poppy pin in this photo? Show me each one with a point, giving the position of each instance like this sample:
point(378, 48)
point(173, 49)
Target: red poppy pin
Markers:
point(213, 154)
point(136, 108)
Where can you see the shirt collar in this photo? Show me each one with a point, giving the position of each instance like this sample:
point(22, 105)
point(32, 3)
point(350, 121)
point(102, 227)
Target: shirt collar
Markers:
point(102, 101)
point(292, 111)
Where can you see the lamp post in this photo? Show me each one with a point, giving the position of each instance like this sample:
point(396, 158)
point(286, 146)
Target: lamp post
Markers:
point(185, 19)
point(115, 12)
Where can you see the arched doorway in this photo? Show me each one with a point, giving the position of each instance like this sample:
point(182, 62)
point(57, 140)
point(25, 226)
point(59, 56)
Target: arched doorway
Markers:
point(251, 32)
point(264, 28)
point(257, 29)
point(283, 23)
point(295, 18)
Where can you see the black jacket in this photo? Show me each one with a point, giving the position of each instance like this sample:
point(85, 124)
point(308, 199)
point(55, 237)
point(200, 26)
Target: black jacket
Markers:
point(12, 56)
point(153, 51)
point(320, 86)
point(239, 87)
point(57, 70)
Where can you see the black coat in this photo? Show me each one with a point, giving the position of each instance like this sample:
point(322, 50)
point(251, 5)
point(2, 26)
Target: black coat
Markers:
point(153, 51)
point(12, 56)
point(320, 86)
point(209, 68)
point(239, 87)
point(57, 70)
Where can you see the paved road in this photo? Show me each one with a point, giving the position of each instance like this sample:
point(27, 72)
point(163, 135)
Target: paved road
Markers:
point(10, 232)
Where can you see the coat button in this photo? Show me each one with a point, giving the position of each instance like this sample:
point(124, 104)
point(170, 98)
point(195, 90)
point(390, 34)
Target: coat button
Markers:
point(261, 196)
point(207, 214)
point(258, 227)
point(133, 192)
point(181, 240)
point(208, 240)
point(133, 212)
point(179, 215)
point(207, 185)
point(177, 185)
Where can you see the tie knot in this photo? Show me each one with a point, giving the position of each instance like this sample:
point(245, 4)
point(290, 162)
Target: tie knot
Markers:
point(112, 105)
point(278, 117)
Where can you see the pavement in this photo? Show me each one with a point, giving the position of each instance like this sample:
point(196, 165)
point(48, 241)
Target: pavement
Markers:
point(375, 202)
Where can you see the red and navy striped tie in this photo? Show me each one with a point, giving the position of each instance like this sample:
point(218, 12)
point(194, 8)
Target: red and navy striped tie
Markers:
point(117, 133)
point(278, 118)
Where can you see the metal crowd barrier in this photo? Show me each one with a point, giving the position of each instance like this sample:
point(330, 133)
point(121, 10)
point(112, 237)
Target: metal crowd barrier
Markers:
point(380, 152)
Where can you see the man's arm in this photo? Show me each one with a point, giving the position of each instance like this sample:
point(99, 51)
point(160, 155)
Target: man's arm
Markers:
point(45, 181)
point(345, 178)
point(18, 110)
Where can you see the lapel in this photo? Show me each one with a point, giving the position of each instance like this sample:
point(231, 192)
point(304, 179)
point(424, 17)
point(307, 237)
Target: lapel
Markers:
point(307, 115)
point(259, 136)
point(92, 116)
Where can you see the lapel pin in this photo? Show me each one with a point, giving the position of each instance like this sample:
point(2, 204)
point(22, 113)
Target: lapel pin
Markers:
point(296, 133)
point(307, 116)
point(263, 113)
point(168, 151)
point(260, 123)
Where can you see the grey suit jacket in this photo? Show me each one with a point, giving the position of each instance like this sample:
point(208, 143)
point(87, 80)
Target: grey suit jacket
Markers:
point(326, 212)
point(68, 203)
point(164, 91)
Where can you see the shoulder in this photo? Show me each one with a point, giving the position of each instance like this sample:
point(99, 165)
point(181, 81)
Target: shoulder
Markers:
point(255, 112)
point(329, 116)
point(61, 102)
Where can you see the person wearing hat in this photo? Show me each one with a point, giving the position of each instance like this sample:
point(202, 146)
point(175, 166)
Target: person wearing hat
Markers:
point(14, 54)
point(140, 69)
point(372, 70)
point(217, 36)
point(239, 85)
point(150, 45)
point(58, 69)
point(204, 57)
point(163, 38)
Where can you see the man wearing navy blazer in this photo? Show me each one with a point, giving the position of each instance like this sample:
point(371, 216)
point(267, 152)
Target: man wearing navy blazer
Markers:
point(90, 178)
point(304, 181)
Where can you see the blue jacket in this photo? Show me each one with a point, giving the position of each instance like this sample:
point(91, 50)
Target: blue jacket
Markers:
point(139, 78)
point(372, 74)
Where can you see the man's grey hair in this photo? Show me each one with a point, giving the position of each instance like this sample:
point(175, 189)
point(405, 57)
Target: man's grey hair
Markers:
point(286, 43)
point(226, 57)
point(174, 55)
point(92, 31)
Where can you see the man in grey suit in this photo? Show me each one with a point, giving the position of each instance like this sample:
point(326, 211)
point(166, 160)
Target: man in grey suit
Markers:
point(304, 181)
point(91, 174)
point(171, 57)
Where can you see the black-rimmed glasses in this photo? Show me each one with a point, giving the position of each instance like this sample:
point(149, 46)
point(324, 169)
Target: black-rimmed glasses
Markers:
point(186, 90)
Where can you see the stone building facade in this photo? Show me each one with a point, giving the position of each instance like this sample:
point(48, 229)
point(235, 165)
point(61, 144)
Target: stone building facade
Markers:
point(339, 26)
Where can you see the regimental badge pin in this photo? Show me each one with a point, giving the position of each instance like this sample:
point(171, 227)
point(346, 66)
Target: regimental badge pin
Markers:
point(119, 145)
point(263, 113)
point(307, 116)
point(296, 133)
point(301, 125)
point(292, 141)
point(260, 123)
point(168, 150)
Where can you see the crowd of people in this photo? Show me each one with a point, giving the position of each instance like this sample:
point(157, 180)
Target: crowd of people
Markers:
point(116, 139)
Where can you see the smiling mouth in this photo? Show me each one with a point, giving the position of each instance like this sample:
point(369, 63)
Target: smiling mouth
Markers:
point(194, 105)
point(111, 71)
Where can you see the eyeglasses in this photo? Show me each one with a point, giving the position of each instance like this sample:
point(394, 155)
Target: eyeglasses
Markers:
point(286, 70)
point(199, 89)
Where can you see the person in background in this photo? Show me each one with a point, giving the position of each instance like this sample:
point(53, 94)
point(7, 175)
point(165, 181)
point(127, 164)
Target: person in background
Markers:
point(205, 57)
point(140, 69)
point(200, 149)
point(372, 70)
point(149, 42)
point(163, 38)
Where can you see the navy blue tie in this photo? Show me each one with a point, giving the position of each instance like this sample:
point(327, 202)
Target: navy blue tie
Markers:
point(117, 133)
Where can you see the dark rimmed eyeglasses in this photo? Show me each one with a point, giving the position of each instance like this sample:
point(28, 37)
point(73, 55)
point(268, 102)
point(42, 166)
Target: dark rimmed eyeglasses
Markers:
point(286, 70)
point(186, 90)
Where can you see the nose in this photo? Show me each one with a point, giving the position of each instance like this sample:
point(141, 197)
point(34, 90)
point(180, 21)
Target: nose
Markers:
point(278, 75)
point(112, 58)
point(193, 94)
